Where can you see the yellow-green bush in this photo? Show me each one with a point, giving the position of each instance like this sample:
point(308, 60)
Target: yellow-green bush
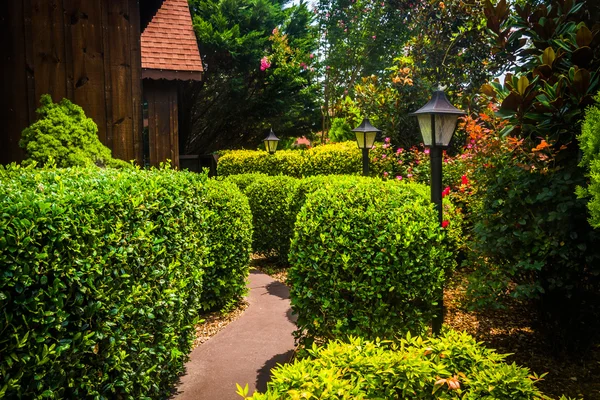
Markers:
point(330, 159)
point(283, 162)
point(451, 367)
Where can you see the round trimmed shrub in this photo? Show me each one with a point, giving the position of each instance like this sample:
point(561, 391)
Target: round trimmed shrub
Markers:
point(366, 260)
point(270, 200)
point(229, 240)
point(451, 366)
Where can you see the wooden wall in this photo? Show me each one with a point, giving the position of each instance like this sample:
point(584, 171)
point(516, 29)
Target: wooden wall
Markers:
point(85, 50)
point(163, 127)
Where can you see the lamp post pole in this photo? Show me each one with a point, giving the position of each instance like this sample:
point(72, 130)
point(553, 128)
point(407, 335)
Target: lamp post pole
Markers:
point(365, 161)
point(437, 121)
point(435, 160)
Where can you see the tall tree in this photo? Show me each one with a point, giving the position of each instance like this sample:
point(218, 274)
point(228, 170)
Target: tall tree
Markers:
point(256, 55)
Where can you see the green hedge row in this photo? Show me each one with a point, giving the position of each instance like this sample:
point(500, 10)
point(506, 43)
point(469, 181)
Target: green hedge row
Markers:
point(452, 366)
point(337, 158)
point(101, 278)
point(367, 259)
point(275, 202)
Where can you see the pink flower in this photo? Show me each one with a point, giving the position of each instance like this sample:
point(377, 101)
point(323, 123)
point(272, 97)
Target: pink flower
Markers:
point(400, 161)
point(385, 174)
point(399, 177)
point(327, 67)
point(445, 223)
point(312, 56)
point(374, 37)
point(426, 151)
point(275, 31)
point(387, 140)
point(384, 156)
point(303, 65)
point(264, 63)
point(400, 150)
point(409, 175)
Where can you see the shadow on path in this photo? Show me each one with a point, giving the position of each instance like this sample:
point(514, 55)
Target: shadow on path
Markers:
point(264, 373)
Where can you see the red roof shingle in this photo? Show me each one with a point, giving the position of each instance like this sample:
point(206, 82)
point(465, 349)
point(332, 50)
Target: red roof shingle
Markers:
point(168, 43)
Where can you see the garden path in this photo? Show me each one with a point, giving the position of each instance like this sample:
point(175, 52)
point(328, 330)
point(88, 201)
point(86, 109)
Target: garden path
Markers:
point(246, 350)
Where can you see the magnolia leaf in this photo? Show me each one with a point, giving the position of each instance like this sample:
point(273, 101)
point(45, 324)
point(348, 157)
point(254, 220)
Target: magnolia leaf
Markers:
point(522, 85)
point(512, 102)
point(548, 56)
point(584, 36)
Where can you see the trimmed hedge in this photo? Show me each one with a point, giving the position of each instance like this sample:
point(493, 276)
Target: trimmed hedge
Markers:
point(368, 260)
point(452, 366)
point(102, 279)
point(229, 235)
point(337, 158)
point(270, 199)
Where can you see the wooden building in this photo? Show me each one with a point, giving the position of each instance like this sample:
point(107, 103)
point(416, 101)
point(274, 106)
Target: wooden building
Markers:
point(97, 53)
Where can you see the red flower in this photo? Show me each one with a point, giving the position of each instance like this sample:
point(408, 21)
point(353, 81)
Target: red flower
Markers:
point(446, 192)
point(445, 223)
point(465, 180)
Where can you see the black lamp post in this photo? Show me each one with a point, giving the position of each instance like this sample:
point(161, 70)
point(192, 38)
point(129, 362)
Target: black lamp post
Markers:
point(365, 137)
point(271, 142)
point(437, 120)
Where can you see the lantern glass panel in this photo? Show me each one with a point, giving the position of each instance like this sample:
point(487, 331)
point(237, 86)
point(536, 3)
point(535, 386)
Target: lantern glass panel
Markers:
point(365, 140)
point(445, 124)
point(425, 125)
point(271, 145)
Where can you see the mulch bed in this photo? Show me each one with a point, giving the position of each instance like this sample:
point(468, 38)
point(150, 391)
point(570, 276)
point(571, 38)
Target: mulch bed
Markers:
point(215, 322)
point(507, 331)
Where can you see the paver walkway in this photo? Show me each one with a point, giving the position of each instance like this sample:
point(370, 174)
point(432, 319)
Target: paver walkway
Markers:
point(246, 350)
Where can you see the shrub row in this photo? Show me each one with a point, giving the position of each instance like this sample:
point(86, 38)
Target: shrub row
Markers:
point(367, 259)
point(452, 366)
point(275, 202)
point(102, 277)
point(338, 158)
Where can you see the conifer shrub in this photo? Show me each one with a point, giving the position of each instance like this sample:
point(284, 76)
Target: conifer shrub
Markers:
point(270, 200)
point(451, 366)
point(65, 137)
point(101, 280)
point(589, 141)
point(229, 240)
point(367, 259)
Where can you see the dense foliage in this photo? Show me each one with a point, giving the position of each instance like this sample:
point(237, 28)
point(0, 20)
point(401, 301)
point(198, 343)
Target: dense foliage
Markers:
point(102, 278)
point(451, 366)
point(530, 229)
point(65, 137)
point(366, 259)
point(256, 55)
point(229, 241)
point(272, 217)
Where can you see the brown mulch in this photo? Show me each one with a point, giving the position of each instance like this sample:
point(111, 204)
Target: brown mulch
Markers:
point(513, 331)
point(270, 267)
point(216, 321)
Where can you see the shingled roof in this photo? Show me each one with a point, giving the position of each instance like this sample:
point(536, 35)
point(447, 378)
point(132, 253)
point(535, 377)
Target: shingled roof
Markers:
point(169, 48)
